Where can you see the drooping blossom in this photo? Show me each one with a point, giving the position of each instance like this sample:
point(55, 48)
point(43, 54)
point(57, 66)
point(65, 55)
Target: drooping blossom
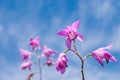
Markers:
point(61, 63)
point(25, 54)
point(47, 51)
point(70, 32)
point(49, 62)
point(35, 43)
point(26, 65)
point(102, 54)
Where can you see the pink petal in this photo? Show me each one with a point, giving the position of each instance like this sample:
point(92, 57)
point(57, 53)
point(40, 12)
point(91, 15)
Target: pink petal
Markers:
point(68, 28)
point(97, 58)
point(108, 47)
point(112, 59)
point(45, 48)
point(49, 62)
point(79, 37)
point(68, 43)
point(37, 38)
point(62, 70)
point(62, 33)
point(35, 43)
point(25, 54)
point(75, 25)
point(47, 52)
point(61, 63)
point(25, 65)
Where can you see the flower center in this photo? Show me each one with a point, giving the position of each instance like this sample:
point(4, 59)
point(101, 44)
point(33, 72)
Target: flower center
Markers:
point(71, 35)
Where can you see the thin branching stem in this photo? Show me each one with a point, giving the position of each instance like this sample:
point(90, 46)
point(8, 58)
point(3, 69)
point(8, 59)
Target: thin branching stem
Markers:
point(82, 66)
point(39, 64)
point(40, 68)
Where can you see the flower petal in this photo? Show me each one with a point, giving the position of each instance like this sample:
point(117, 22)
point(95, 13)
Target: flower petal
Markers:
point(62, 70)
point(68, 28)
point(35, 43)
point(107, 54)
point(107, 47)
point(61, 63)
point(47, 52)
point(62, 33)
point(26, 65)
point(68, 43)
point(112, 59)
point(97, 58)
point(75, 25)
point(79, 37)
point(25, 54)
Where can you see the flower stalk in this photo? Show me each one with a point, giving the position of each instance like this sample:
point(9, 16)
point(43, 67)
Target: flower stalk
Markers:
point(40, 68)
point(39, 64)
point(82, 61)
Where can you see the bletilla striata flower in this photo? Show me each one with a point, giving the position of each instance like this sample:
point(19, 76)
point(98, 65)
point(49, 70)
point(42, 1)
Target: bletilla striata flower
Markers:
point(70, 32)
point(47, 51)
point(35, 43)
point(26, 65)
point(25, 54)
point(61, 63)
point(49, 62)
point(101, 54)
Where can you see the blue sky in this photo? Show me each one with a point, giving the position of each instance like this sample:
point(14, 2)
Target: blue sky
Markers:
point(22, 19)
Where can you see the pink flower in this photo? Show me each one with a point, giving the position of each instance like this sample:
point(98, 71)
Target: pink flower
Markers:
point(61, 63)
point(25, 54)
point(26, 65)
point(101, 54)
point(47, 52)
point(70, 32)
point(35, 43)
point(49, 62)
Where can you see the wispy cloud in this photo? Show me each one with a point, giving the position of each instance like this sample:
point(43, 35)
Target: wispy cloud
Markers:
point(102, 8)
point(116, 38)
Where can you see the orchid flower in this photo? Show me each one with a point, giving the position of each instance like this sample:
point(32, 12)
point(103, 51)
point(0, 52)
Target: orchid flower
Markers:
point(26, 65)
point(49, 62)
point(25, 54)
point(70, 32)
point(61, 63)
point(101, 54)
point(47, 51)
point(35, 43)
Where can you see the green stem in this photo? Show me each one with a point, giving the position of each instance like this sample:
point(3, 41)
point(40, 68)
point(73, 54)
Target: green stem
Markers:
point(66, 51)
point(86, 56)
point(82, 66)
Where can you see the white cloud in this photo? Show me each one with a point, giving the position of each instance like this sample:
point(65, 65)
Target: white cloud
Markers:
point(9, 71)
point(99, 75)
point(102, 8)
point(116, 38)
point(21, 35)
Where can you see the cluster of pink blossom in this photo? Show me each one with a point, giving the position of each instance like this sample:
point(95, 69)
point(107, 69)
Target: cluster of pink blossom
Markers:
point(71, 34)
point(27, 55)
